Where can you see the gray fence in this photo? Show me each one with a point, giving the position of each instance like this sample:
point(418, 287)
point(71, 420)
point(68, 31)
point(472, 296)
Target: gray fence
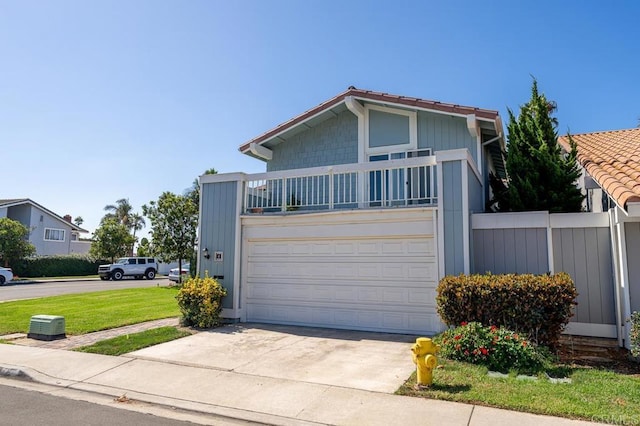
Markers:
point(539, 242)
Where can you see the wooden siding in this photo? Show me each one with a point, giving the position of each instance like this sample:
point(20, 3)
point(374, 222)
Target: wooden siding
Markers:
point(218, 231)
point(632, 237)
point(505, 251)
point(334, 141)
point(442, 132)
point(585, 254)
point(451, 199)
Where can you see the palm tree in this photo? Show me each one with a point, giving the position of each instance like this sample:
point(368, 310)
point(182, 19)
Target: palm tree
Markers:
point(136, 223)
point(121, 211)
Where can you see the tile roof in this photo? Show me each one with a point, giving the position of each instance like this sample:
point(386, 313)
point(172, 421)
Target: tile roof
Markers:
point(612, 159)
point(374, 97)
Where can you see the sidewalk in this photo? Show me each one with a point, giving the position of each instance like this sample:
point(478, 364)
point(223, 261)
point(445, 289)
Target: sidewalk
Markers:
point(233, 395)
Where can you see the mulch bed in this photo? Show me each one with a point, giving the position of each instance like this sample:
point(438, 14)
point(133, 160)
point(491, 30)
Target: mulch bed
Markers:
point(604, 354)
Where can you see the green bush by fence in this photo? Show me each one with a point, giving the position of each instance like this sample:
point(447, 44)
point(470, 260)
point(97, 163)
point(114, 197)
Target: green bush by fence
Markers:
point(56, 266)
point(538, 306)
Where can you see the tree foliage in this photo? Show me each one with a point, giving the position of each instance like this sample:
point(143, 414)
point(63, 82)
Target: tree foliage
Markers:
point(144, 248)
point(14, 244)
point(111, 240)
point(123, 212)
point(174, 225)
point(540, 176)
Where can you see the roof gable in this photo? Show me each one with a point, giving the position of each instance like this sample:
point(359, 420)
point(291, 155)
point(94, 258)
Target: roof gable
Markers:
point(612, 159)
point(18, 201)
point(337, 102)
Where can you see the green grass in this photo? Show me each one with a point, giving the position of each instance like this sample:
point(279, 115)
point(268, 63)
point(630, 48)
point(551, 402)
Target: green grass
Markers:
point(594, 394)
point(87, 312)
point(132, 342)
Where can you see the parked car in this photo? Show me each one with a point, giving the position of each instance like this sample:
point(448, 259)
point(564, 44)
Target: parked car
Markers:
point(6, 275)
point(173, 273)
point(136, 267)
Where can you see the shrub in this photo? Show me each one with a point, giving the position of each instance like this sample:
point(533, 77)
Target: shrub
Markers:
point(634, 337)
point(56, 266)
point(498, 348)
point(537, 306)
point(199, 300)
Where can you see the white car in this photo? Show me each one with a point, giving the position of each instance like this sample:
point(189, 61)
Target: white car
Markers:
point(173, 273)
point(6, 275)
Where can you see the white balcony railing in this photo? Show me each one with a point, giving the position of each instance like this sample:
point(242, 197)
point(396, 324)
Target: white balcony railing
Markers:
point(390, 183)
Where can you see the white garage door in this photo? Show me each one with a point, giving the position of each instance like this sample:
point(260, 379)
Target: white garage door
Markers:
point(377, 275)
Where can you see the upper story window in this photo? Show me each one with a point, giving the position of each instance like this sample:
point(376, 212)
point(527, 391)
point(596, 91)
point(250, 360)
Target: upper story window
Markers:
point(390, 129)
point(51, 234)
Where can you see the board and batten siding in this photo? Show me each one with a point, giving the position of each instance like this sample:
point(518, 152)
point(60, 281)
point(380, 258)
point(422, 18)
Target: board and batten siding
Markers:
point(334, 141)
point(442, 132)
point(632, 239)
point(451, 199)
point(511, 250)
point(585, 254)
point(218, 233)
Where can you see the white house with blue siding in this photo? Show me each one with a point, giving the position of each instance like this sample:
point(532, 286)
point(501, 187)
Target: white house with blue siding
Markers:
point(364, 205)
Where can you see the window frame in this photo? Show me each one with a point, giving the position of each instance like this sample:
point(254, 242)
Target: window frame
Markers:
point(48, 230)
point(413, 131)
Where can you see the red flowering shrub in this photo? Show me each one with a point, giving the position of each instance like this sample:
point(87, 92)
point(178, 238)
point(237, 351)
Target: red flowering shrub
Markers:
point(498, 348)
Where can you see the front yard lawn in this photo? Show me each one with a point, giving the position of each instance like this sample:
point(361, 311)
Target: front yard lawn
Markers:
point(132, 342)
point(88, 312)
point(594, 394)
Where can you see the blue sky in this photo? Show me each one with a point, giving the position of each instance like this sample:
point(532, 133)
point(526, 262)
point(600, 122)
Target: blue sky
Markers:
point(103, 100)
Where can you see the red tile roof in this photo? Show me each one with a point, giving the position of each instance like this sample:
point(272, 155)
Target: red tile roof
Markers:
point(375, 97)
point(613, 161)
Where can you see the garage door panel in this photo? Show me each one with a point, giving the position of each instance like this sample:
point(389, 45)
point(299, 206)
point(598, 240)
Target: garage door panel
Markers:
point(405, 246)
point(331, 269)
point(325, 295)
point(401, 322)
point(344, 276)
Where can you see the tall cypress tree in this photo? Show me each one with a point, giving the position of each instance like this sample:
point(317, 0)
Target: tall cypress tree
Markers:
point(539, 175)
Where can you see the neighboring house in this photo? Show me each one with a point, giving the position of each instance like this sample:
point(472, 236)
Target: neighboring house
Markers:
point(365, 204)
point(49, 233)
point(611, 164)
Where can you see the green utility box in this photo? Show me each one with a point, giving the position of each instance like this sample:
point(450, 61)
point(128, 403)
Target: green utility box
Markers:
point(46, 327)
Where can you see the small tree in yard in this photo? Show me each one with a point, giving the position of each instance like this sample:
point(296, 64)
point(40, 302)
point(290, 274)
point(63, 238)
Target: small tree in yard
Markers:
point(540, 177)
point(111, 240)
point(174, 225)
point(13, 241)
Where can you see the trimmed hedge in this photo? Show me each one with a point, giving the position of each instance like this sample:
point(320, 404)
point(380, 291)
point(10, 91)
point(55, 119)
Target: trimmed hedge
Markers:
point(57, 266)
point(538, 306)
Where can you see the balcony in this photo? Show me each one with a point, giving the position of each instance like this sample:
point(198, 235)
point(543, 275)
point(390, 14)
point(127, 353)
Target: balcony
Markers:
point(379, 184)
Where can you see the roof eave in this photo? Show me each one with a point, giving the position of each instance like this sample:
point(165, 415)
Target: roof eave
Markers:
point(373, 97)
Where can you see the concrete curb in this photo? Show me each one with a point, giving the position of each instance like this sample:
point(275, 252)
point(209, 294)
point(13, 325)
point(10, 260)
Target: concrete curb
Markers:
point(197, 409)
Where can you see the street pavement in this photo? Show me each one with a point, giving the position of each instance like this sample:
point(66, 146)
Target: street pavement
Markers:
point(263, 374)
point(32, 289)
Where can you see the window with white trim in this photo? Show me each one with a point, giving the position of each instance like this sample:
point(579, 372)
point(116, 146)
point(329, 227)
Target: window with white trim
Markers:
point(51, 234)
point(390, 129)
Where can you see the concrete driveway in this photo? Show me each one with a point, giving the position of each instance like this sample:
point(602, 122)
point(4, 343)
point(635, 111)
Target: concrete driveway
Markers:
point(378, 362)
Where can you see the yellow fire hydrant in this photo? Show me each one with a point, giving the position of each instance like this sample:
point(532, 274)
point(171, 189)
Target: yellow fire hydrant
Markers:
point(424, 357)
